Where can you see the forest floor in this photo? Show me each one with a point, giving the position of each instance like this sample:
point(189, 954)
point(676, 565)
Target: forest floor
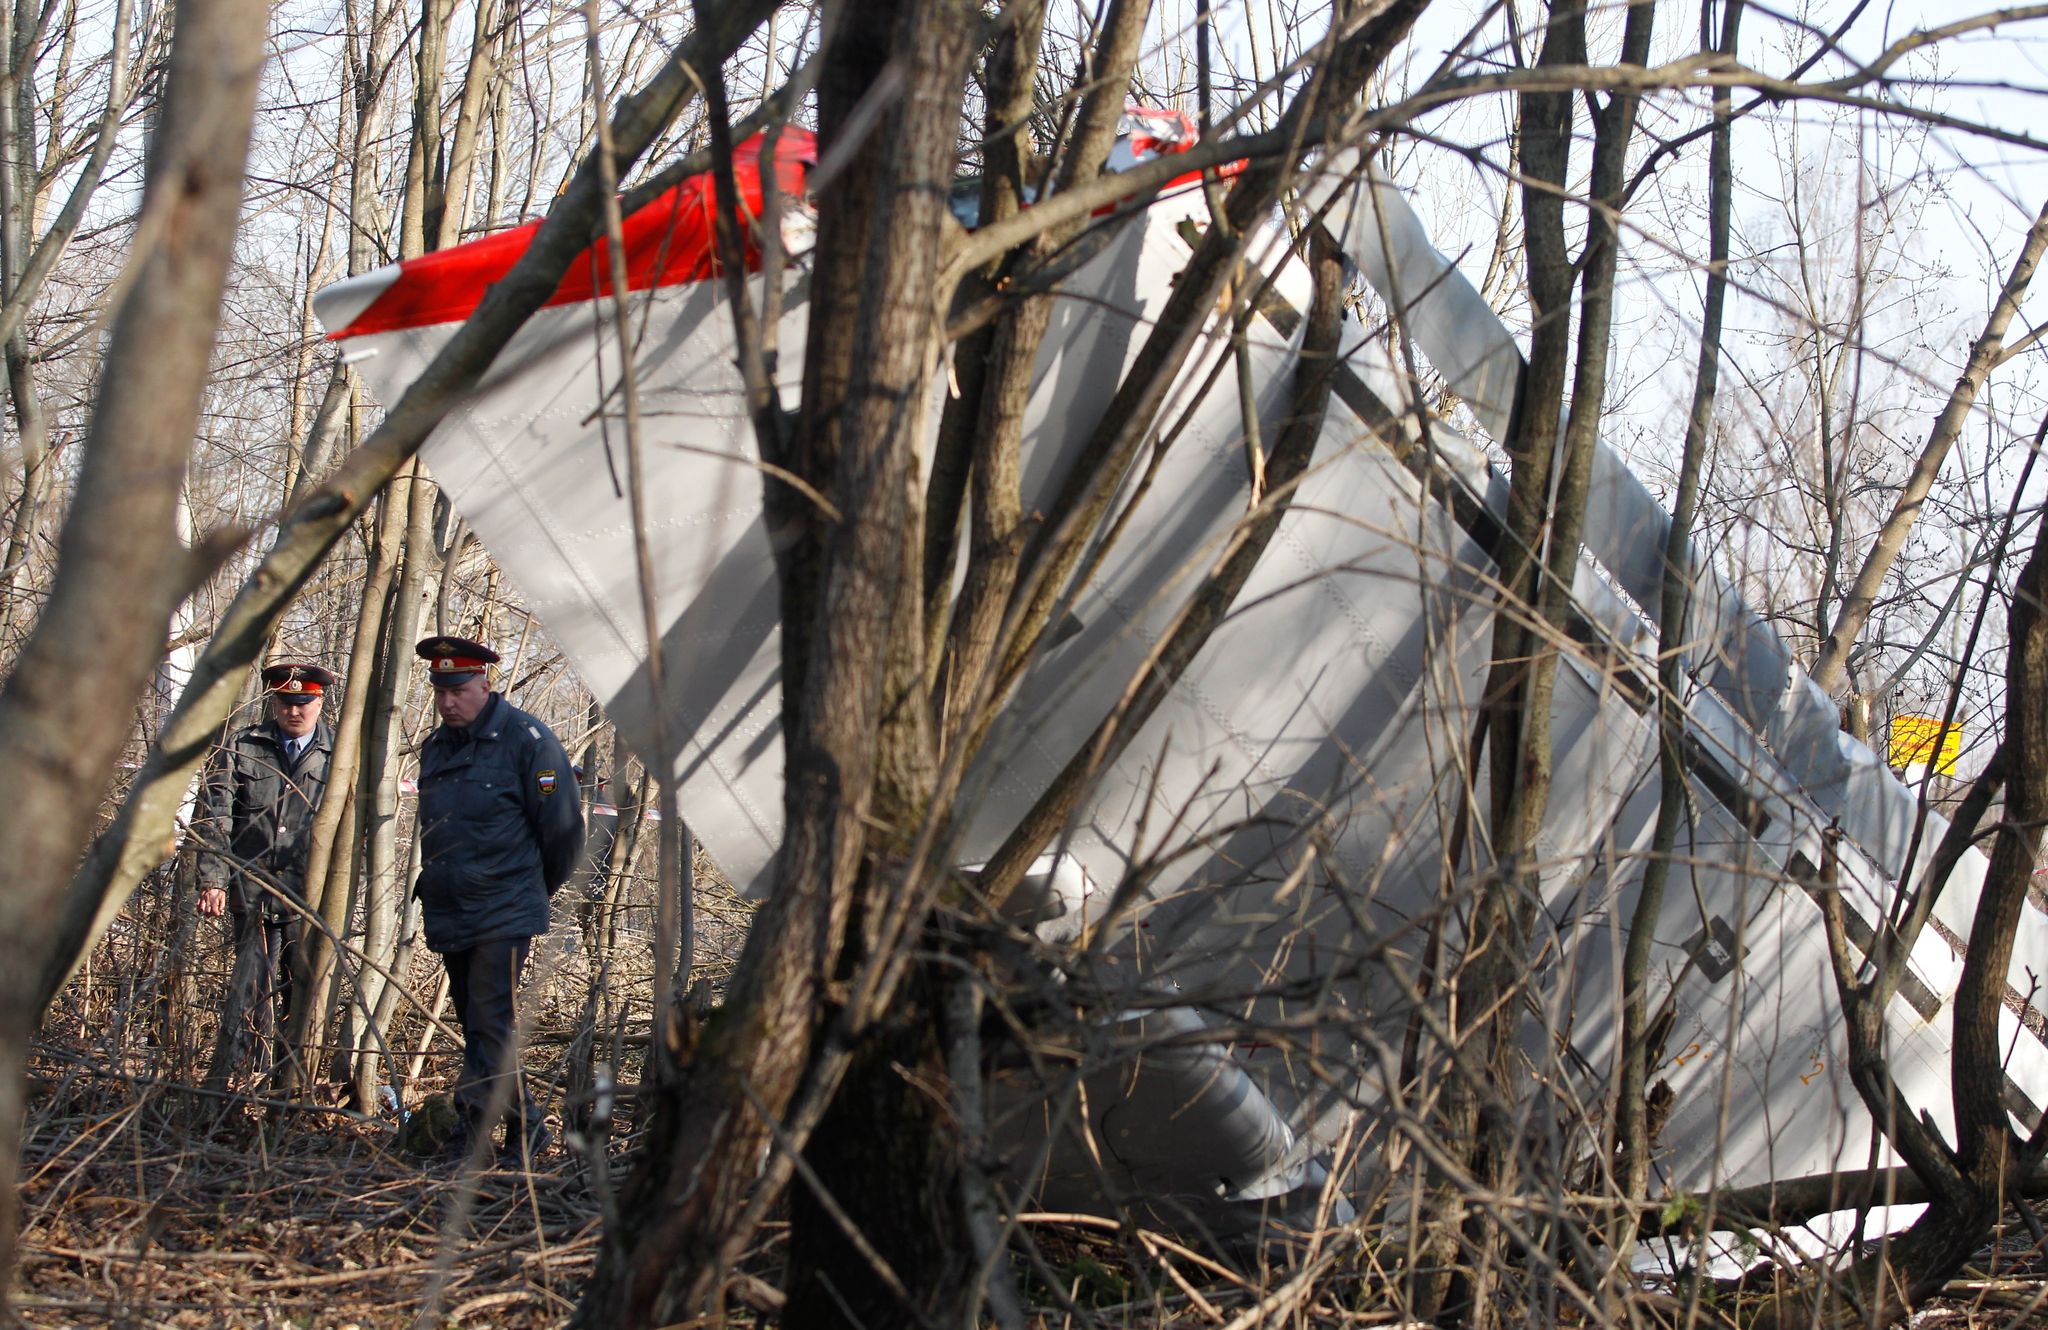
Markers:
point(146, 1203)
point(319, 1224)
point(134, 1218)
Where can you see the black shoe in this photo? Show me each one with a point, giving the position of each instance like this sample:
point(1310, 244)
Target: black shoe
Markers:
point(517, 1154)
point(453, 1151)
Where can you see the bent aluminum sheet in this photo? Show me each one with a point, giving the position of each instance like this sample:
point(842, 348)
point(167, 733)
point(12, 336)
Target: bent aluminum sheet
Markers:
point(1289, 803)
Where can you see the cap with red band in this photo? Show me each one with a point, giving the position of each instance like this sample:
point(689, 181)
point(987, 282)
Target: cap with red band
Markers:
point(452, 661)
point(297, 678)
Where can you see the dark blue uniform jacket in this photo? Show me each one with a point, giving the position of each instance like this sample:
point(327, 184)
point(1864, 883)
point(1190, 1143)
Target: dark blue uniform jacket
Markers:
point(501, 828)
point(256, 811)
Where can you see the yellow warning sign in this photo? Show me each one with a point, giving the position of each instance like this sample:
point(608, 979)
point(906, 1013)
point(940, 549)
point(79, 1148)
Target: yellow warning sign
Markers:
point(1919, 740)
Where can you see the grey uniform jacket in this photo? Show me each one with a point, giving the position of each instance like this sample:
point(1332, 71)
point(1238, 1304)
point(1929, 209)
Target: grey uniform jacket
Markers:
point(501, 827)
point(256, 810)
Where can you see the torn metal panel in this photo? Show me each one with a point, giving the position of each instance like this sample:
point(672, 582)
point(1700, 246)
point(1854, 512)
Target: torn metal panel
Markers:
point(1288, 804)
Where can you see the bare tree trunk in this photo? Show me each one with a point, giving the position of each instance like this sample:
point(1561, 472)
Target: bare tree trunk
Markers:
point(1055, 550)
point(1986, 1148)
point(477, 82)
point(426, 169)
point(429, 218)
point(314, 429)
point(1543, 148)
point(386, 884)
point(1482, 1104)
point(1012, 69)
point(38, 473)
point(379, 665)
point(873, 339)
point(1633, 1143)
point(982, 429)
point(26, 268)
point(1966, 1186)
point(1830, 669)
point(877, 1234)
point(17, 172)
point(124, 568)
point(331, 848)
point(672, 889)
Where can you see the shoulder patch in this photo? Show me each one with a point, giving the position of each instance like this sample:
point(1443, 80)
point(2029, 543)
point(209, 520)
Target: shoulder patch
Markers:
point(546, 781)
point(533, 730)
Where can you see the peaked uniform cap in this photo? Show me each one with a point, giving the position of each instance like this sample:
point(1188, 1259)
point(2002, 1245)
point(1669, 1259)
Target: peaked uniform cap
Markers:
point(297, 678)
point(452, 660)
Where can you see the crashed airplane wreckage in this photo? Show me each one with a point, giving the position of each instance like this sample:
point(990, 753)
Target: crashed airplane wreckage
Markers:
point(1302, 757)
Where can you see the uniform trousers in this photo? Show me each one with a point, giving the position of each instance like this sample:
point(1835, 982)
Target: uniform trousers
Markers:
point(483, 980)
point(261, 988)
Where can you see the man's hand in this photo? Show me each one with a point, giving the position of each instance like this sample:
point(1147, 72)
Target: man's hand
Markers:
point(213, 901)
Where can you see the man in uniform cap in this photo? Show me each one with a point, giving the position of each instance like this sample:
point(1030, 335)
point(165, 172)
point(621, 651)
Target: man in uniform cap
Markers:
point(501, 828)
point(256, 811)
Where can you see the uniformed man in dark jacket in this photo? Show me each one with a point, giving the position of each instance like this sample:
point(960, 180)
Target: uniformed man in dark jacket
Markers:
point(255, 817)
point(501, 828)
